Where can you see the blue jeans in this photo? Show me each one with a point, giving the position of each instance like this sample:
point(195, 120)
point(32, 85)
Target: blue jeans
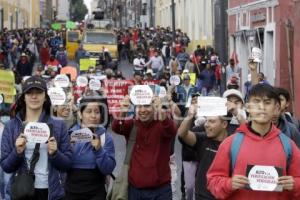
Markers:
point(162, 193)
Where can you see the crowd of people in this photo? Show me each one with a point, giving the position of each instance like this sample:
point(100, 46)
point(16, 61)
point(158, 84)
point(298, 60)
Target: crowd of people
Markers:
point(217, 151)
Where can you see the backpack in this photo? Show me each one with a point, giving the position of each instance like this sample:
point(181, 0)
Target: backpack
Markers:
point(239, 137)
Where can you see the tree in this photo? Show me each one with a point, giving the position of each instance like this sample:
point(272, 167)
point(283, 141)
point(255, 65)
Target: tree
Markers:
point(78, 10)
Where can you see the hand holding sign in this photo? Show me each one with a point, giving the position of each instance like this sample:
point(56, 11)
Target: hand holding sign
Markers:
point(287, 182)
point(21, 143)
point(256, 55)
point(239, 182)
point(52, 146)
point(141, 95)
point(96, 142)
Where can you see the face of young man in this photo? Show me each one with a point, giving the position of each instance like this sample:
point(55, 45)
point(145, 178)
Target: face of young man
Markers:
point(261, 109)
point(234, 103)
point(34, 99)
point(145, 113)
point(214, 127)
point(284, 104)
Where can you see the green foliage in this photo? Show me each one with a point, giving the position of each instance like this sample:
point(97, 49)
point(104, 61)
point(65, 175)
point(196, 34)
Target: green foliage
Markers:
point(78, 10)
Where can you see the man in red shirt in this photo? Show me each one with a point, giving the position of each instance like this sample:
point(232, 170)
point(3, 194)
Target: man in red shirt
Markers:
point(149, 173)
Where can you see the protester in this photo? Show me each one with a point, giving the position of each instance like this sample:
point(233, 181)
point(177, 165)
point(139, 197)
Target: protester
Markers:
point(151, 153)
point(261, 145)
point(16, 151)
point(205, 145)
point(92, 161)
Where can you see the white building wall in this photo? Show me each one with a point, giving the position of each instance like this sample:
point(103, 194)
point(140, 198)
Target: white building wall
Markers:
point(194, 17)
point(63, 8)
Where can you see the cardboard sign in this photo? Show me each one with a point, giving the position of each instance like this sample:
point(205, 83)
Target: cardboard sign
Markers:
point(61, 80)
point(256, 54)
point(175, 80)
point(57, 96)
point(82, 81)
point(82, 135)
point(264, 178)
point(36, 132)
point(141, 95)
point(95, 84)
point(7, 86)
point(212, 106)
point(70, 70)
point(85, 63)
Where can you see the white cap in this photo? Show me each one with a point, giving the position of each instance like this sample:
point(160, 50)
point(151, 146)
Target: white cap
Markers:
point(186, 71)
point(149, 71)
point(233, 92)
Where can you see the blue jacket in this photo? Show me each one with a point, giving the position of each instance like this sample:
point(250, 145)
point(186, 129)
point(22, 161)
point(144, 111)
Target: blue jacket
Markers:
point(11, 161)
point(85, 157)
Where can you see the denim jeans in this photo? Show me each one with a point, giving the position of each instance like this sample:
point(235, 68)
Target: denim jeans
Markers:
point(162, 193)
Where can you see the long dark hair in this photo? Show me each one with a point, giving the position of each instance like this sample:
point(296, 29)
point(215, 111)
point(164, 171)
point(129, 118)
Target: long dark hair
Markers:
point(21, 106)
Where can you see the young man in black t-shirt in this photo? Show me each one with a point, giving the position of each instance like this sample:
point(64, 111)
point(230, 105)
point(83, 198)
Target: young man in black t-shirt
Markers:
point(205, 145)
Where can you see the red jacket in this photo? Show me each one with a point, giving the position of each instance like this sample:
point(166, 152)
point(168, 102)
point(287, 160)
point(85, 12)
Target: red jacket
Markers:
point(254, 150)
point(149, 165)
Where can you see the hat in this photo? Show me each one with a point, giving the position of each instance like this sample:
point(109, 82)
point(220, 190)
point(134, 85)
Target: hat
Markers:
point(34, 82)
point(186, 71)
point(23, 54)
point(233, 92)
point(149, 71)
point(186, 77)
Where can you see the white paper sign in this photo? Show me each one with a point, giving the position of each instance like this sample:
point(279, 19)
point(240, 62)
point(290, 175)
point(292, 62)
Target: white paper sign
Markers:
point(36, 132)
point(263, 178)
point(141, 95)
point(82, 135)
point(175, 80)
point(95, 84)
point(82, 81)
point(162, 92)
point(57, 96)
point(257, 54)
point(1, 98)
point(61, 80)
point(211, 106)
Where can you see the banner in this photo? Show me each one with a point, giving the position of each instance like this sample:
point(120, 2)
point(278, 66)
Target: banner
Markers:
point(7, 85)
point(115, 91)
point(86, 63)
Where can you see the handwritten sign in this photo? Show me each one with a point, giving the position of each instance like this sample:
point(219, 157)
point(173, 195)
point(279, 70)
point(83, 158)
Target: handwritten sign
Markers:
point(61, 80)
point(57, 96)
point(264, 178)
point(36, 132)
point(82, 135)
point(141, 95)
point(211, 106)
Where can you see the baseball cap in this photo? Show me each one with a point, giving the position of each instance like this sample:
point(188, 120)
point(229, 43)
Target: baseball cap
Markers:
point(34, 82)
point(233, 92)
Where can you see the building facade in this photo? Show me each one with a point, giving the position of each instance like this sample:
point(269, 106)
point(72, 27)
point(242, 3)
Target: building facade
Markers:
point(15, 14)
point(193, 17)
point(270, 25)
point(62, 10)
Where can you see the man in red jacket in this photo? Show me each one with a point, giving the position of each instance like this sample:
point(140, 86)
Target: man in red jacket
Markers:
point(149, 173)
point(261, 148)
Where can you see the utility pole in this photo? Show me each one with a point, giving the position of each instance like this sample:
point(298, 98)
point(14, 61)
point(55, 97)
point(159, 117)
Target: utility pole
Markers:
point(173, 20)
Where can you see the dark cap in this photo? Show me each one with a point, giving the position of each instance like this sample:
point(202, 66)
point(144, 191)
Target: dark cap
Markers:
point(34, 82)
point(186, 77)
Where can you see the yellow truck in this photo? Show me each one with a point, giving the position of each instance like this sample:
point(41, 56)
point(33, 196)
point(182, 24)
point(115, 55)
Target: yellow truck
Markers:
point(96, 41)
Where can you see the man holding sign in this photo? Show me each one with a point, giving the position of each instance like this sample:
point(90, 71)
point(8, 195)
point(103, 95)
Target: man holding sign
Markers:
point(258, 160)
point(149, 173)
